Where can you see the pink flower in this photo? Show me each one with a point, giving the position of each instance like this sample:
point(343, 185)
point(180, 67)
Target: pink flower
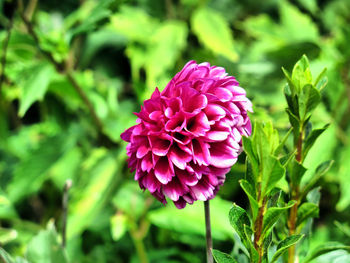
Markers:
point(189, 135)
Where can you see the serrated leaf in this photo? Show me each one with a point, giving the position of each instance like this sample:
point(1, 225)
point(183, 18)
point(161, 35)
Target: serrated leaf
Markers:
point(311, 139)
point(284, 245)
point(324, 249)
point(305, 211)
point(250, 192)
point(34, 87)
point(238, 218)
point(254, 255)
point(272, 215)
point(221, 257)
point(214, 32)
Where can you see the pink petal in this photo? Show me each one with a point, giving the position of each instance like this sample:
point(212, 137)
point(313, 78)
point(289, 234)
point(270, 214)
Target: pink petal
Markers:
point(174, 189)
point(164, 170)
point(222, 156)
point(179, 157)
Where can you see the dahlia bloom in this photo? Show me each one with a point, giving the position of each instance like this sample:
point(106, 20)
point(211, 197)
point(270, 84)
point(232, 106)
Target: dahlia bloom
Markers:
point(188, 136)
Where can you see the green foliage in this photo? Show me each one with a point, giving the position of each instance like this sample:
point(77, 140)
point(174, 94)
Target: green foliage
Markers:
point(221, 257)
point(104, 58)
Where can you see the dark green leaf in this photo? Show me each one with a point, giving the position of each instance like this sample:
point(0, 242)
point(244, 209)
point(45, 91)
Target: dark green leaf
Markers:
point(221, 257)
point(238, 218)
point(253, 253)
point(309, 98)
point(35, 86)
point(294, 121)
point(296, 172)
point(252, 156)
point(305, 211)
point(272, 172)
point(283, 142)
point(250, 192)
point(284, 245)
point(271, 216)
point(324, 249)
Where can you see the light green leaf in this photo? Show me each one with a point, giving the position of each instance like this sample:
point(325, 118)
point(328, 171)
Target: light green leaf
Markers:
point(238, 218)
point(324, 249)
point(344, 178)
point(7, 211)
point(272, 215)
point(45, 248)
point(305, 211)
point(118, 226)
point(296, 172)
point(284, 245)
point(7, 235)
point(311, 139)
point(214, 32)
point(221, 257)
point(249, 149)
point(181, 221)
point(320, 171)
point(100, 169)
point(321, 80)
point(35, 85)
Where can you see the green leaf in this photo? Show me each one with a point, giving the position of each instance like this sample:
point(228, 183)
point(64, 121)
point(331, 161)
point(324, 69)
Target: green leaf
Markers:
point(294, 121)
point(214, 32)
point(309, 98)
point(283, 142)
point(305, 211)
point(181, 221)
point(320, 171)
point(99, 170)
point(118, 226)
point(7, 235)
point(272, 172)
point(35, 85)
point(250, 192)
point(238, 218)
point(321, 80)
point(324, 249)
point(311, 139)
point(296, 172)
point(32, 171)
point(284, 245)
point(253, 253)
point(272, 215)
point(45, 247)
point(221, 257)
point(249, 149)
point(7, 211)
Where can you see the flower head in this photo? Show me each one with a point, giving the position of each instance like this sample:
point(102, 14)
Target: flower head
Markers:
point(189, 135)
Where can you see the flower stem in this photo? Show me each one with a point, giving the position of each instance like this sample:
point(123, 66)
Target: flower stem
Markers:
point(140, 247)
point(208, 232)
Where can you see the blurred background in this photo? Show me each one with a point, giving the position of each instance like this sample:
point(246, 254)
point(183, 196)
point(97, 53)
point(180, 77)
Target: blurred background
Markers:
point(72, 74)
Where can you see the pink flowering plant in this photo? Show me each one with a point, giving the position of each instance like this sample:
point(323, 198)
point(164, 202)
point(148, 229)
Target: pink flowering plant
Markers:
point(188, 137)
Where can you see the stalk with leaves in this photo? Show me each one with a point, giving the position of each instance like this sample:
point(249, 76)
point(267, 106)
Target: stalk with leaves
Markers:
point(282, 202)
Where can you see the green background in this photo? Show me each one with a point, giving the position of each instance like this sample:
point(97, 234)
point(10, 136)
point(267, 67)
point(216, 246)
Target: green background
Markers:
point(118, 52)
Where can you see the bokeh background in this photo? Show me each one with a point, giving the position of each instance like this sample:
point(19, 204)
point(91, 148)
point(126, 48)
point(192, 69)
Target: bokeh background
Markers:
point(70, 85)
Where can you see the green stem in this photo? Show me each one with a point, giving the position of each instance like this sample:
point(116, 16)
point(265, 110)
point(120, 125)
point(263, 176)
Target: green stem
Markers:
point(295, 196)
point(140, 247)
